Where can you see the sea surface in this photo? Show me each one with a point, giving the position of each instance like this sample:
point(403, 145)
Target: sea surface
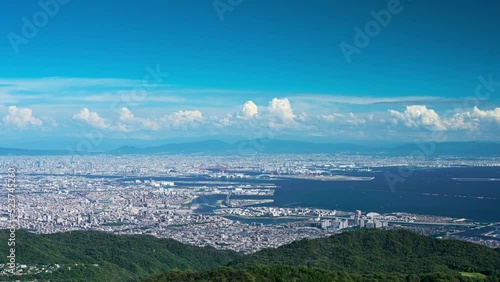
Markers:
point(421, 191)
point(474, 195)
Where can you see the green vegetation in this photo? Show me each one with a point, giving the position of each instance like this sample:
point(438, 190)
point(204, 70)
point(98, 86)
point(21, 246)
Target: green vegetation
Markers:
point(372, 251)
point(362, 255)
point(300, 274)
point(474, 275)
point(120, 257)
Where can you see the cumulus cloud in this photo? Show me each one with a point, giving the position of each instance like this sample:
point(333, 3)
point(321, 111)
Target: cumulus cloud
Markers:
point(279, 115)
point(473, 119)
point(91, 118)
point(418, 116)
point(331, 117)
point(126, 114)
point(249, 110)
point(187, 116)
point(462, 121)
point(129, 122)
point(282, 109)
point(349, 118)
point(491, 115)
point(21, 117)
point(421, 116)
point(182, 118)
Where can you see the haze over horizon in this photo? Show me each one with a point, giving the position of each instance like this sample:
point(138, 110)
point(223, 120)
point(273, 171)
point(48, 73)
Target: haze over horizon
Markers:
point(186, 71)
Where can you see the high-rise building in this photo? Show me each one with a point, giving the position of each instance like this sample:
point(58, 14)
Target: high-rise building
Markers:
point(325, 224)
point(357, 218)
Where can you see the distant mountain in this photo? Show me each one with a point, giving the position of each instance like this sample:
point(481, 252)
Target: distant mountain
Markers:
point(276, 146)
point(298, 147)
point(25, 152)
point(449, 148)
point(363, 255)
point(209, 146)
point(244, 147)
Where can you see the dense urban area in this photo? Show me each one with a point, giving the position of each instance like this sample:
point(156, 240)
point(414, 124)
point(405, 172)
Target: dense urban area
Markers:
point(220, 201)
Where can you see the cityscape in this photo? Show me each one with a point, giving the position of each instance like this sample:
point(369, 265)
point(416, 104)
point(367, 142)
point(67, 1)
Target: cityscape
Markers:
point(250, 141)
point(226, 202)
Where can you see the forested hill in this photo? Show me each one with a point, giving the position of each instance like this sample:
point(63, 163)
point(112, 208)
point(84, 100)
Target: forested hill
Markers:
point(286, 273)
point(372, 251)
point(364, 255)
point(101, 256)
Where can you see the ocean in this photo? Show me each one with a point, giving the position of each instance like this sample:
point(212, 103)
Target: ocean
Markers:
point(425, 191)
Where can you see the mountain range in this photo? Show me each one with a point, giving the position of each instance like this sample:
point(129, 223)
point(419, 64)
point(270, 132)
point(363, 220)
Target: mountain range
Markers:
point(276, 146)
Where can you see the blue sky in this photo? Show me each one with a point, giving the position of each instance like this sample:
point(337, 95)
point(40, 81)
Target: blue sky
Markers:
point(261, 66)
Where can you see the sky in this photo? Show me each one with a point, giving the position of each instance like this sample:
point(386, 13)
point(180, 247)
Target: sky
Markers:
point(140, 72)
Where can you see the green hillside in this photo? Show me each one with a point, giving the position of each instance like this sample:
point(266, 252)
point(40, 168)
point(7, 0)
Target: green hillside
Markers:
point(303, 274)
point(364, 255)
point(119, 257)
point(372, 251)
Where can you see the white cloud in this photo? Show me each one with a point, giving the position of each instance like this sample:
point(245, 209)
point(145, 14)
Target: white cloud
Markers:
point(129, 122)
point(282, 109)
point(462, 121)
point(126, 114)
point(421, 116)
point(473, 119)
point(331, 117)
point(349, 118)
point(491, 115)
point(249, 109)
point(187, 116)
point(418, 116)
point(21, 117)
point(181, 118)
point(91, 118)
